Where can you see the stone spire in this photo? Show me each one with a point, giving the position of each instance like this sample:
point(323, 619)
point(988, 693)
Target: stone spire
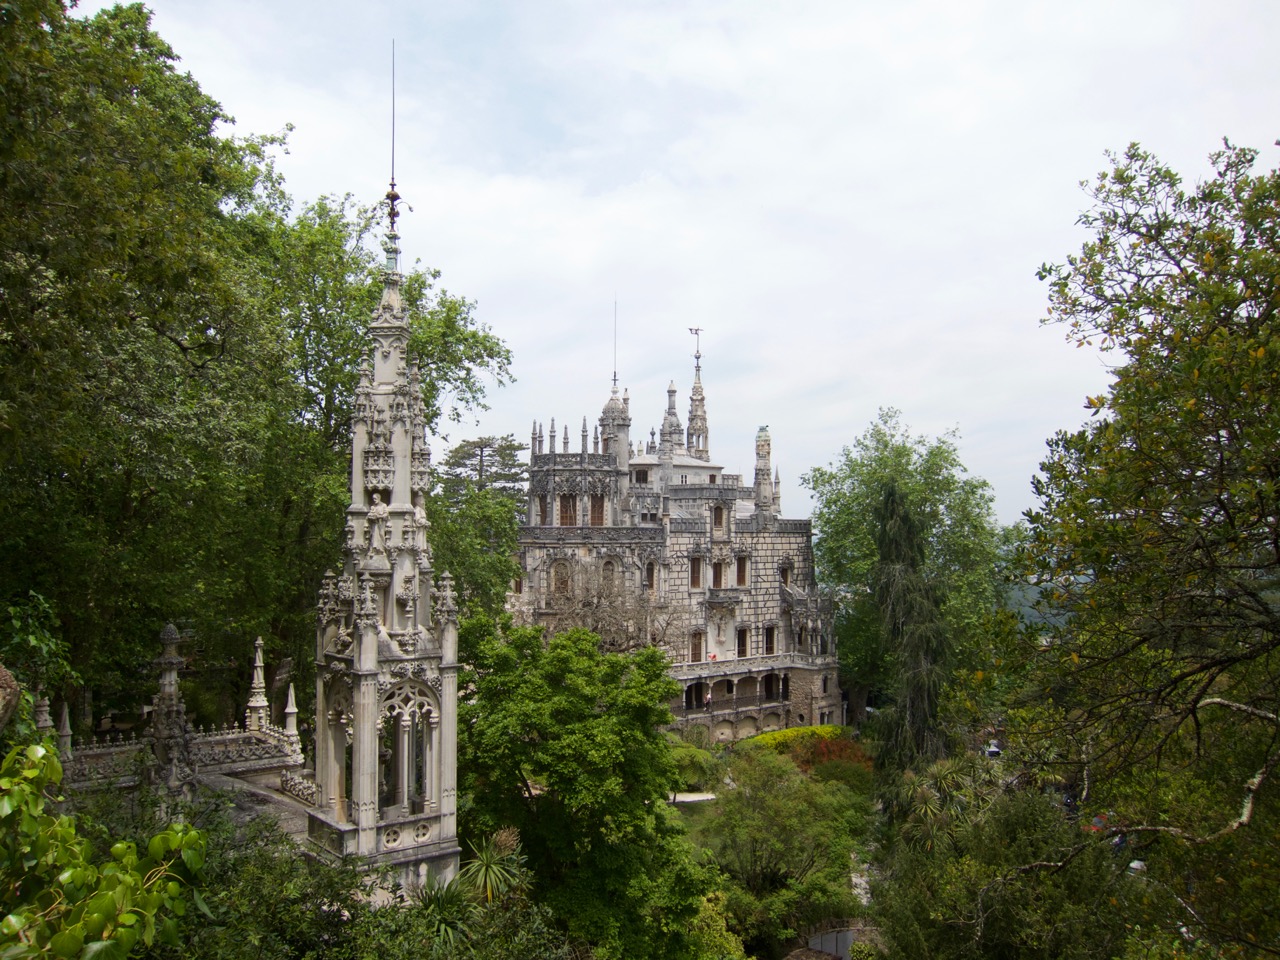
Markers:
point(255, 717)
point(386, 672)
point(698, 439)
point(671, 439)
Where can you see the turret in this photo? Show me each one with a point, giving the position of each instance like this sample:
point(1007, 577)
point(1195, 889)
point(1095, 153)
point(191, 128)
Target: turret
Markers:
point(671, 440)
point(763, 480)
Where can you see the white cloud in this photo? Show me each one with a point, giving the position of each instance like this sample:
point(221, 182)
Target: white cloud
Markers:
point(850, 197)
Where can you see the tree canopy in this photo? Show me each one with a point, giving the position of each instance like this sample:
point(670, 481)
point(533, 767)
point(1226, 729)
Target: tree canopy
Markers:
point(178, 353)
point(1158, 533)
point(956, 529)
point(562, 742)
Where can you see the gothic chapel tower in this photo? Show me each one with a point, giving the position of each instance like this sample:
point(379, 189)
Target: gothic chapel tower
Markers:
point(387, 638)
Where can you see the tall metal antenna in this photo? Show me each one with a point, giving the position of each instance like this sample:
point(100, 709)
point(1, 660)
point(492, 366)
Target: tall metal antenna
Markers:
point(615, 341)
point(697, 339)
point(392, 197)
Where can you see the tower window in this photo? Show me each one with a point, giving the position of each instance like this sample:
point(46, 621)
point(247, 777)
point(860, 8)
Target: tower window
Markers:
point(695, 647)
point(742, 571)
point(770, 640)
point(717, 517)
point(568, 510)
point(786, 576)
point(642, 476)
point(597, 510)
point(649, 573)
point(542, 509)
point(606, 575)
point(695, 572)
point(717, 575)
point(742, 641)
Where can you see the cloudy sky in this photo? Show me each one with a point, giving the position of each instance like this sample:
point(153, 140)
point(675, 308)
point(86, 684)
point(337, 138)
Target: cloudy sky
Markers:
point(850, 198)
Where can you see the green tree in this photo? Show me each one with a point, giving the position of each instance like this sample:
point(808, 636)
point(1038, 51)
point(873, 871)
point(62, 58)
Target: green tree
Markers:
point(1012, 882)
point(912, 629)
point(1158, 535)
point(486, 463)
point(563, 742)
point(784, 842)
point(957, 529)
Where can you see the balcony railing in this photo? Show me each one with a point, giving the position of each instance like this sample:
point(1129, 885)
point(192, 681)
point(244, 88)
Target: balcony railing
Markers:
point(735, 704)
point(729, 668)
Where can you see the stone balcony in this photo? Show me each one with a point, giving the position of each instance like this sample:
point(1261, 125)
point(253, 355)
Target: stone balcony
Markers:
point(744, 666)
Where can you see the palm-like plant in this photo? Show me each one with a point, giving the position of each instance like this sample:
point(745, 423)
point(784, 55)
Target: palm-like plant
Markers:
point(448, 911)
point(497, 868)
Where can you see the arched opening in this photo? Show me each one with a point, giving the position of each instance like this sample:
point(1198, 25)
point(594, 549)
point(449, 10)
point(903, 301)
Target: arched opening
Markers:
point(560, 578)
point(772, 686)
point(409, 750)
point(606, 576)
point(697, 696)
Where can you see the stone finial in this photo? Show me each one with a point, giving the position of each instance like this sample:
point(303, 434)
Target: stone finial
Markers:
point(64, 733)
point(291, 714)
point(448, 599)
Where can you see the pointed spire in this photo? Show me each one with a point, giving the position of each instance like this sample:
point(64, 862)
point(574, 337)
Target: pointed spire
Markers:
point(64, 733)
point(255, 717)
point(698, 440)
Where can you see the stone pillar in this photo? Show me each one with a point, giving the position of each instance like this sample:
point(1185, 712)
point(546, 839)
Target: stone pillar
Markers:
point(404, 763)
point(430, 735)
point(364, 760)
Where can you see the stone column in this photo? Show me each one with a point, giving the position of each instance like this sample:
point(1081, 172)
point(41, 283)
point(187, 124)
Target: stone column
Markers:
point(430, 735)
point(364, 758)
point(404, 763)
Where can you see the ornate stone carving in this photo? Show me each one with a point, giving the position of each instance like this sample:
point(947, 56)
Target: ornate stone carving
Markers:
point(379, 469)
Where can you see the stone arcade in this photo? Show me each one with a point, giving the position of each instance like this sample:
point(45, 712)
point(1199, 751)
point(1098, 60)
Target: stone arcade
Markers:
point(714, 575)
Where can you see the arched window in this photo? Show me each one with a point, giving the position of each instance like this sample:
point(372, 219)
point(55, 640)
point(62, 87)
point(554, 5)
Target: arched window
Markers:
point(560, 578)
point(606, 576)
point(717, 517)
